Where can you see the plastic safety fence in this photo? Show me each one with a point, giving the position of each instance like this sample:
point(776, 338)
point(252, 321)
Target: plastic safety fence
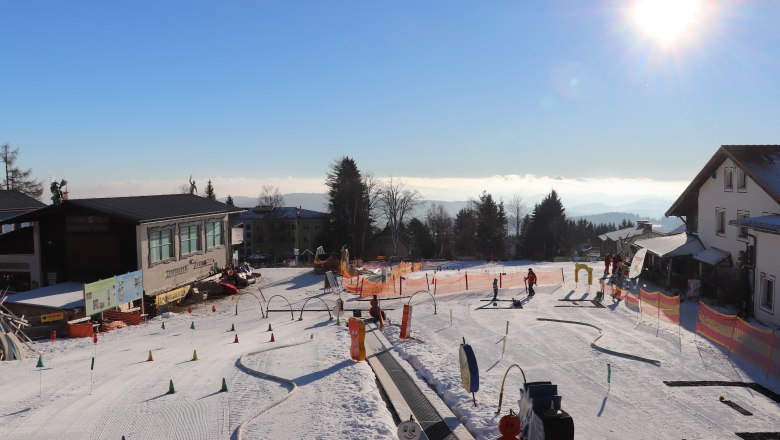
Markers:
point(632, 302)
point(410, 286)
point(669, 308)
point(649, 302)
point(449, 284)
point(517, 280)
point(715, 326)
point(760, 347)
point(481, 281)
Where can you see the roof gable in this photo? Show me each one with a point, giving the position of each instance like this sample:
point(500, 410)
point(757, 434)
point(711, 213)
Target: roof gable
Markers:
point(12, 200)
point(760, 162)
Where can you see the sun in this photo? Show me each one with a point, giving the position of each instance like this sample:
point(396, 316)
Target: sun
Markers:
point(668, 22)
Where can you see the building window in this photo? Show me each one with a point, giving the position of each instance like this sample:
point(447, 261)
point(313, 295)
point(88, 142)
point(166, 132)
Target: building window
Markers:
point(189, 239)
point(767, 292)
point(728, 179)
point(741, 180)
point(305, 227)
point(160, 244)
point(742, 233)
point(213, 234)
point(720, 221)
point(317, 227)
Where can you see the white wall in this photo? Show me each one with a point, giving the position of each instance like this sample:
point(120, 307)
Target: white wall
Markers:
point(767, 261)
point(712, 196)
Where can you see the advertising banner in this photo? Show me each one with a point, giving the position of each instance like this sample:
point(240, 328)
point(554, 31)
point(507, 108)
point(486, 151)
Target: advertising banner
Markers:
point(171, 295)
point(99, 296)
point(53, 317)
point(637, 262)
point(129, 287)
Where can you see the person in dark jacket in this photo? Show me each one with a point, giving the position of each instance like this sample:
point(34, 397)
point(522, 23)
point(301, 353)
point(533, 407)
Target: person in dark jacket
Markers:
point(607, 262)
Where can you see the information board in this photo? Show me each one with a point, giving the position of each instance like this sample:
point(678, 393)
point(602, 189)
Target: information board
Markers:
point(99, 296)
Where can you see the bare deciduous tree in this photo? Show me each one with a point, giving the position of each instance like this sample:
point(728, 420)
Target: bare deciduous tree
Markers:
point(18, 179)
point(516, 211)
point(270, 196)
point(439, 222)
point(394, 202)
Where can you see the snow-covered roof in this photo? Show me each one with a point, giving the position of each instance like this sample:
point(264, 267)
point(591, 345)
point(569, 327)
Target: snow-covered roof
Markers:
point(672, 245)
point(765, 223)
point(712, 256)
point(622, 234)
point(68, 295)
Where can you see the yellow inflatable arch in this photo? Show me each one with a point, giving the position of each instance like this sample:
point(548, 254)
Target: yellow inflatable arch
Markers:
point(587, 268)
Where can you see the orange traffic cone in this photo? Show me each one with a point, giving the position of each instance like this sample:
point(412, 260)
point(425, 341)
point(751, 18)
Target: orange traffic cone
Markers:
point(235, 341)
point(272, 338)
point(150, 358)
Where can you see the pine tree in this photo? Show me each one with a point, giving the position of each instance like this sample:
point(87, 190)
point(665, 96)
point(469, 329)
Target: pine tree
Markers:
point(349, 204)
point(210, 191)
point(491, 227)
point(229, 200)
point(16, 179)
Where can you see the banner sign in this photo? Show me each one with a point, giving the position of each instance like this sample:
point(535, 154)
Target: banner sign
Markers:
point(99, 296)
point(171, 295)
point(357, 334)
point(53, 317)
point(129, 287)
point(637, 262)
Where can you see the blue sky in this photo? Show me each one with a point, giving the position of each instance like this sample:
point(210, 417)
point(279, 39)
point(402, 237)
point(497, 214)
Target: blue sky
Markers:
point(134, 97)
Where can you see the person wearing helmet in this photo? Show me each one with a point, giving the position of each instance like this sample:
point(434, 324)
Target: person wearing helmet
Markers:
point(531, 279)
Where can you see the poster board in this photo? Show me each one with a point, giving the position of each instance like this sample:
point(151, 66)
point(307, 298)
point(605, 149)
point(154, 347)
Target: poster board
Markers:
point(129, 287)
point(171, 295)
point(99, 296)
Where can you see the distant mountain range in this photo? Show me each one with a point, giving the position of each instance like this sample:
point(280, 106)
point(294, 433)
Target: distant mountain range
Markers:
point(645, 209)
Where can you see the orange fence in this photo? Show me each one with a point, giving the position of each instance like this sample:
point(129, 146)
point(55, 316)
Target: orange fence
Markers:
point(632, 302)
point(409, 287)
point(649, 302)
point(760, 347)
point(669, 308)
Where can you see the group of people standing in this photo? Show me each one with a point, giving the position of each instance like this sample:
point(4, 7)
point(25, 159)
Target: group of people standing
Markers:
point(617, 264)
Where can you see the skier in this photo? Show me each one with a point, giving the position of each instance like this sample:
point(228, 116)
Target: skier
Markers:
point(607, 262)
point(495, 290)
point(531, 279)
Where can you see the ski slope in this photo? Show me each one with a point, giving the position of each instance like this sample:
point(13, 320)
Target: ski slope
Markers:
point(335, 398)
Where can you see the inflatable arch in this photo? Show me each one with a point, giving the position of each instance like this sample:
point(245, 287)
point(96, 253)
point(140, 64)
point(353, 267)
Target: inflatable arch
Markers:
point(588, 269)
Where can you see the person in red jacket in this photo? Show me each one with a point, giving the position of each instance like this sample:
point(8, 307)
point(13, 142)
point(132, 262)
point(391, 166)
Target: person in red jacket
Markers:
point(607, 262)
point(531, 279)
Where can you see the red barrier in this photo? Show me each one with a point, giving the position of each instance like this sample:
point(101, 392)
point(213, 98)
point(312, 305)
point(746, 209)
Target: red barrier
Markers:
point(481, 281)
point(649, 302)
point(669, 308)
point(410, 286)
point(752, 344)
point(632, 302)
point(715, 326)
point(449, 284)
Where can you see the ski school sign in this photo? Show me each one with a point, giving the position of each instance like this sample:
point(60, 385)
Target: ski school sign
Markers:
point(108, 293)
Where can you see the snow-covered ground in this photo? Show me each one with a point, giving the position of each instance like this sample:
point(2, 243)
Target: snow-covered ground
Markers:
point(336, 398)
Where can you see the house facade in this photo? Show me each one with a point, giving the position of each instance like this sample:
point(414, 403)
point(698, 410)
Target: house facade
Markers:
point(173, 239)
point(620, 241)
point(739, 183)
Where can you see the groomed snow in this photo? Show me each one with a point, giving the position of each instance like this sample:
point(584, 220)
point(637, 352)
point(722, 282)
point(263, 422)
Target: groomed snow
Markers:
point(339, 399)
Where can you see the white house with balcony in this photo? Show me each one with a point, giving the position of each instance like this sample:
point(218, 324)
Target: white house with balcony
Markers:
point(733, 206)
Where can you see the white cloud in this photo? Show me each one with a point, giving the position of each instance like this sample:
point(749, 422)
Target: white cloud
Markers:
point(529, 187)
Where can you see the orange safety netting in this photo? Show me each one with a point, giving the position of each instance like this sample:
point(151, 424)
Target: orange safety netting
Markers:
point(669, 308)
point(715, 326)
point(449, 284)
point(753, 344)
point(649, 302)
point(480, 281)
point(409, 287)
point(632, 301)
point(774, 357)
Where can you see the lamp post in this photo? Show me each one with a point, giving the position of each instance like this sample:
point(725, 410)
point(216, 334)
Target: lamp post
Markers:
point(297, 220)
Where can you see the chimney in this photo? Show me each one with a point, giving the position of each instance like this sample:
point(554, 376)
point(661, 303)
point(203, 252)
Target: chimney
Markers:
point(645, 225)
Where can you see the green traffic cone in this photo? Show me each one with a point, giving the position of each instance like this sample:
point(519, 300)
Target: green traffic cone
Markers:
point(192, 326)
point(269, 328)
point(163, 326)
point(40, 361)
point(194, 355)
point(232, 328)
point(224, 386)
point(171, 390)
point(338, 321)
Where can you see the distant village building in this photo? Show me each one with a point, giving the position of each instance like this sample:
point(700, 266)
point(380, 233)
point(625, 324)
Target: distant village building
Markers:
point(620, 241)
point(273, 233)
point(733, 207)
